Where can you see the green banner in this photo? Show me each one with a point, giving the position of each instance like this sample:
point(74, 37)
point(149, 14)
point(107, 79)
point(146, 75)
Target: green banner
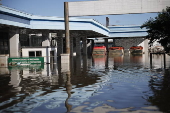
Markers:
point(26, 60)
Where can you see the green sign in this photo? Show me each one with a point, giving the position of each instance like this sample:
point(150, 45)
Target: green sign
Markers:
point(26, 60)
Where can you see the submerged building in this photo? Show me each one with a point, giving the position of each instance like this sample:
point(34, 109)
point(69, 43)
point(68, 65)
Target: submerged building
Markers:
point(26, 35)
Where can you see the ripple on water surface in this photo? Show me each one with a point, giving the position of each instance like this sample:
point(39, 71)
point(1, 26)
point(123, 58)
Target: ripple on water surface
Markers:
point(128, 86)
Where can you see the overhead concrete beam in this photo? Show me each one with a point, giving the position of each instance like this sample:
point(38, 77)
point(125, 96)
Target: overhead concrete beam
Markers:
point(111, 7)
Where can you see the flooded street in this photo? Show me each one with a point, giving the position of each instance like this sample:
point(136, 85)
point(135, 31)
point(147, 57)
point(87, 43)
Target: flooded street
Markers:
point(97, 84)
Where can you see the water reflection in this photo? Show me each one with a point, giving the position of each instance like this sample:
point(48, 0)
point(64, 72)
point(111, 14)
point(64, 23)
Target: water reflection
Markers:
point(99, 61)
point(16, 79)
point(136, 58)
point(107, 83)
point(68, 90)
point(160, 85)
point(160, 61)
point(78, 65)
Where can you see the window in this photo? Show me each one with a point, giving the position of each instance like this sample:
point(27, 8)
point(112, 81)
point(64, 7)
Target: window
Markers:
point(38, 53)
point(35, 53)
point(31, 53)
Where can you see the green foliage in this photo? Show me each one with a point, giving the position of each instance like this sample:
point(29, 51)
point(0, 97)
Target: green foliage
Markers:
point(159, 29)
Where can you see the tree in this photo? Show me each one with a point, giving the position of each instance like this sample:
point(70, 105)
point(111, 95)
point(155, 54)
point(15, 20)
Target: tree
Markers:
point(159, 29)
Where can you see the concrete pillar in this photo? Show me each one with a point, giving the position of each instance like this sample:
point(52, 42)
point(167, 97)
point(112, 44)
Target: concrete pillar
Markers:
point(47, 55)
point(92, 44)
point(45, 38)
point(65, 58)
point(89, 47)
point(78, 65)
point(78, 47)
point(14, 42)
point(72, 65)
point(107, 63)
point(65, 62)
point(84, 45)
point(114, 44)
point(30, 44)
point(146, 46)
point(59, 45)
point(71, 46)
point(74, 46)
point(106, 43)
point(85, 65)
point(59, 68)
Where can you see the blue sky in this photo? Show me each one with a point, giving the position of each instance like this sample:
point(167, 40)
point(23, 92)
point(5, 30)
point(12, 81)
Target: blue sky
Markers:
point(56, 8)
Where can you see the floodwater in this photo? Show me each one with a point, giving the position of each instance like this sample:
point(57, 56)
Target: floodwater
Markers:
point(98, 84)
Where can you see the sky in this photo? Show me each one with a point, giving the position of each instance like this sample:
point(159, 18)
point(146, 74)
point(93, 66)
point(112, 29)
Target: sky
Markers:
point(56, 8)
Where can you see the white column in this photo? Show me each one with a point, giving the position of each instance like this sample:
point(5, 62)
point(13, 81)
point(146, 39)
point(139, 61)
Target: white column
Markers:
point(45, 38)
point(146, 46)
point(65, 62)
point(14, 42)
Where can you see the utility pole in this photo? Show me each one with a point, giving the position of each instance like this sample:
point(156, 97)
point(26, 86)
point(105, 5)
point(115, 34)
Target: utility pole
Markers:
point(66, 18)
point(65, 58)
point(107, 21)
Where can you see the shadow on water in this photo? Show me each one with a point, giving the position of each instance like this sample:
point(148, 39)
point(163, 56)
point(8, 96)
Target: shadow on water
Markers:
point(160, 85)
point(117, 83)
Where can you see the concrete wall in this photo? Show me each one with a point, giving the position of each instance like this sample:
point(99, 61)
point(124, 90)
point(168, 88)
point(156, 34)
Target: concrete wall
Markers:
point(128, 42)
point(4, 60)
point(105, 7)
